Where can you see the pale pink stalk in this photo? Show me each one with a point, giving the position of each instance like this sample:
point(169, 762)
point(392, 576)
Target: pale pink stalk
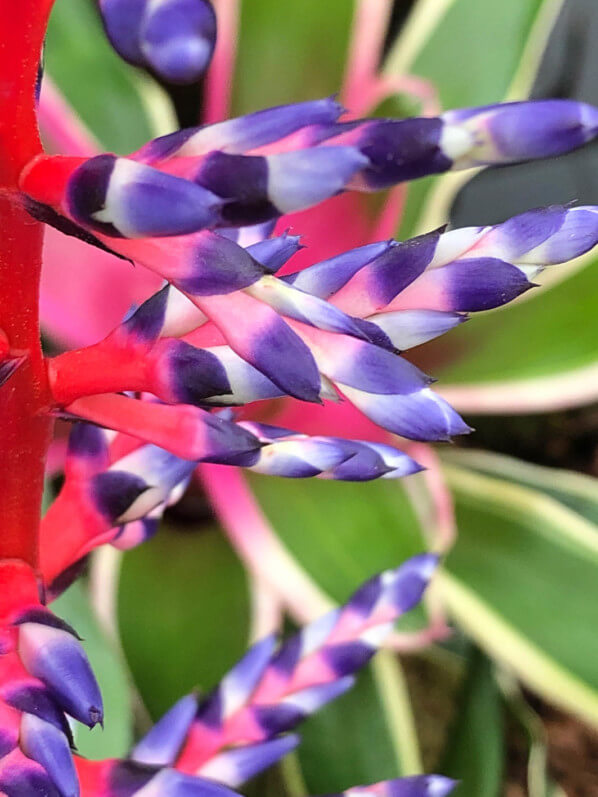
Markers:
point(255, 541)
point(364, 86)
point(60, 125)
point(266, 610)
point(432, 498)
point(370, 21)
point(219, 80)
point(258, 547)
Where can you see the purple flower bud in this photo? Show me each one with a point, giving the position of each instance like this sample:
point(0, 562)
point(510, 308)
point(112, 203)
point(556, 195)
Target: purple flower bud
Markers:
point(174, 38)
point(259, 188)
point(414, 786)
point(301, 306)
point(233, 767)
point(273, 253)
point(327, 277)
point(137, 483)
point(123, 198)
point(44, 743)
point(161, 745)
point(409, 328)
point(189, 375)
point(57, 658)
point(417, 416)
point(236, 136)
point(516, 131)
point(25, 777)
point(122, 21)
point(178, 38)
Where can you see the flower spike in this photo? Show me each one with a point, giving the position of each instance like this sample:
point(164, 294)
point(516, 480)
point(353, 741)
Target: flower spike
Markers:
point(406, 149)
point(307, 671)
point(44, 673)
point(174, 38)
point(245, 133)
point(415, 786)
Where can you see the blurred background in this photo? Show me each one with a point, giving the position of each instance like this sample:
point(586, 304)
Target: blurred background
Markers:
point(508, 701)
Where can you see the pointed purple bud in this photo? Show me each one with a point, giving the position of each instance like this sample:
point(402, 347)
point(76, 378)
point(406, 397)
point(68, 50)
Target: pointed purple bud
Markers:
point(238, 684)
point(122, 21)
point(171, 783)
point(409, 328)
point(544, 236)
point(301, 306)
point(44, 743)
point(348, 657)
point(367, 367)
point(227, 443)
point(217, 266)
point(364, 464)
point(244, 133)
point(178, 37)
point(397, 462)
point(137, 483)
point(246, 382)
point(123, 198)
point(189, 375)
point(327, 277)
point(24, 777)
point(57, 658)
point(259, 188)
point(175, 38)
point(417, 416)
point(161, 745)
point(302, 457)
point(237, 765)
point(35, 699)
point(414, 786)
point(469, 285)
point(397, 150)
point(267, 343)
point(273, 253)
point(405, 586)
point(290, 711)
point(116, 494)
point(145, 324)
point(517, 131)
point(387, 275)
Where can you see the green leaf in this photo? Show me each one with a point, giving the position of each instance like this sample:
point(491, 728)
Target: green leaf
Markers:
point(472, 53)
point(552, 333)
point(183, 609)
point(539, 783)
point(522, 581)
point(74, 607)
point(574, 490)
point(363, 737)
point(290, 51)
point(475, 749)
point(101, 87)
point(343, 534)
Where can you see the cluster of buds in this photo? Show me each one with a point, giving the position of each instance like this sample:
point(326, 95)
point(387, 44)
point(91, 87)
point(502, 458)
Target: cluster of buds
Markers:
point(242, 727)
point(234, 323)
point(44, 675)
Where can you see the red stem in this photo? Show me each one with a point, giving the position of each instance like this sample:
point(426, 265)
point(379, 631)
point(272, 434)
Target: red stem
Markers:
point(25, 429)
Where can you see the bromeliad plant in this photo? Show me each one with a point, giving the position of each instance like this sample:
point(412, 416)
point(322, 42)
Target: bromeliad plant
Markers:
point(233, 324)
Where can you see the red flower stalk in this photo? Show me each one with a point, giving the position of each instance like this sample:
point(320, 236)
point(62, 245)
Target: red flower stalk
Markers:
point(25, 430)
